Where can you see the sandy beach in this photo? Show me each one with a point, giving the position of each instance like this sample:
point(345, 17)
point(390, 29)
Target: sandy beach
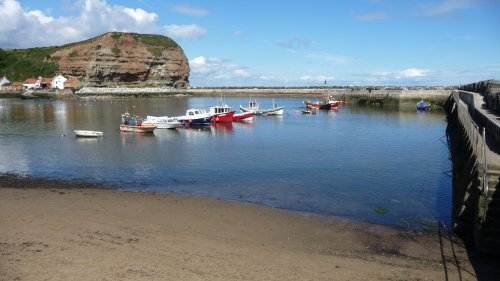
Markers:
point(53, 230)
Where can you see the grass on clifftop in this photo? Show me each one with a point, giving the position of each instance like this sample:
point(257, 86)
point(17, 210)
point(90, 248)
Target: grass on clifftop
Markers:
point(20, 64)
point(156, 40)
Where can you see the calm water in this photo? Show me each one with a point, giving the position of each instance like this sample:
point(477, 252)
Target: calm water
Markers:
point(346, 163)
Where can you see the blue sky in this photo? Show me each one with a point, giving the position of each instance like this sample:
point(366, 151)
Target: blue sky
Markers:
point(286, 43)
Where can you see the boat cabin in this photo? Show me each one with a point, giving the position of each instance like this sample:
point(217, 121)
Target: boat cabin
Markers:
point(253, 104)
point(219, 109)
point(194, 112)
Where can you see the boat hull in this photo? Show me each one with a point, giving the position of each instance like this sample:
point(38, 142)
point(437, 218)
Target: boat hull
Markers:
point(196, 121)
point(162, 122)
point(272, 111)
point(243, 117)
point(88, 134)
point(423, 106)
point(223, 117)
point(138, 129)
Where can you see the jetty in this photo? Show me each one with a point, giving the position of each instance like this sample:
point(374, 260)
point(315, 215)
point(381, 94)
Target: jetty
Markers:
point(376, 96)
point(473, 131)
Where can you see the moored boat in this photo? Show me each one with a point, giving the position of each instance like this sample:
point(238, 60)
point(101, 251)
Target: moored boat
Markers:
point(422, 105)
point(254, 106)
point(195, 117)
point(133, 123)
point(88, 134)
point(327, 103)
point(221, 113)
point(162, 122)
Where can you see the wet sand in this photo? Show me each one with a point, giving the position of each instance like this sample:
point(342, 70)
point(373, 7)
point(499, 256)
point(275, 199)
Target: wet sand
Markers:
point(53, 230)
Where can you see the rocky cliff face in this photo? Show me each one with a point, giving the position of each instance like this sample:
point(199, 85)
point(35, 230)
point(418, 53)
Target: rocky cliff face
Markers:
point(125, 59)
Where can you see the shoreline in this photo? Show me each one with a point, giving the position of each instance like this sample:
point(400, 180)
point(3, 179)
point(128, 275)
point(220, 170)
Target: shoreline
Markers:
point(59, 230)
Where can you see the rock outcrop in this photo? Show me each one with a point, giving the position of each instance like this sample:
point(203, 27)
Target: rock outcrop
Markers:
point(125, 59)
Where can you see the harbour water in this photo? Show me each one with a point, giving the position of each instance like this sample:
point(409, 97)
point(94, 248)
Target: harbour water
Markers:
point(373, 164)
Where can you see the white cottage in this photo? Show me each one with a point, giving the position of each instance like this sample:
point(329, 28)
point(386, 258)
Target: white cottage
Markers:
point(4, 83)
point(58, 82)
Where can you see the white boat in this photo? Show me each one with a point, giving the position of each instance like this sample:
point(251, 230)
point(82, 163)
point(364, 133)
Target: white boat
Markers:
point(254, 106)
point(162, 122)
point(195, 117)
point(88, 134)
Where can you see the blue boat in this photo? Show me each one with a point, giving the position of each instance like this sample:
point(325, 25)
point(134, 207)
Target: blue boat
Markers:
point(422, 105)
point(195, 117)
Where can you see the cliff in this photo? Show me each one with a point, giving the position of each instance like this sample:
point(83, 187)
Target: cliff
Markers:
point(124, 59)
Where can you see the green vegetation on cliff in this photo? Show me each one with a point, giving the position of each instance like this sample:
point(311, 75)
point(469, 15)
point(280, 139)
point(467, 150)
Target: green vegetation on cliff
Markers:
point(20, 64)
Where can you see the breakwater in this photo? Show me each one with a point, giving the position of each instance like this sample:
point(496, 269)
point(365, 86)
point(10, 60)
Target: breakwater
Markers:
point(474, 147)
point(367, 96)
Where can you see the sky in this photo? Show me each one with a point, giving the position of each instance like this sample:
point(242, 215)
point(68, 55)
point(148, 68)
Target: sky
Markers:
point(286, 43)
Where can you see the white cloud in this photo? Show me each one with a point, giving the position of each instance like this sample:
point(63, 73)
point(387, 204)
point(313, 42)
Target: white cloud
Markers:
point(241, 73)
point(371, 17)
point(294, 44)
point(190, 11)
point(140, 15)
point(23, 28)
point(408, 76)
point(411, 73)
point(329, 57)
point(319, 78)
point(447, 7)
point(39, 16)
point(10, 14)
point(216, 71)
point(187, 32)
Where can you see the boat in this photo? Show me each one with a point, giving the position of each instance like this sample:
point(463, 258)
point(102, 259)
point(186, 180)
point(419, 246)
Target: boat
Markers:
point(243, 117)
point(254, 106)
point(88, 134)
point(162, 122)
point(422, 105)
point(308, 111)
point(195, 117)
point(221, 113)
point(327, 103)
point(133, 123)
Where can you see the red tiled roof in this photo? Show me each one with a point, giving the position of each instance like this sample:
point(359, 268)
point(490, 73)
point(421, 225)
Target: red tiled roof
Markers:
point(30, 81)
point(47, 80)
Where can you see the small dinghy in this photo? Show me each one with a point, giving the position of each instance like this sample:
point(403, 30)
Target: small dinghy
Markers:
point(88, 134)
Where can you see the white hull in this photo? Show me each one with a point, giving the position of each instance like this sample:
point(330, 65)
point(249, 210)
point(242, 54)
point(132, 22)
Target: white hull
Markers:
point(162, 122)
point(275, 111)
point(88, 134)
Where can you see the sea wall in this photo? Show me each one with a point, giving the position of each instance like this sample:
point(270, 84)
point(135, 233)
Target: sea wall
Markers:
point(490, 89)
point(362, 96)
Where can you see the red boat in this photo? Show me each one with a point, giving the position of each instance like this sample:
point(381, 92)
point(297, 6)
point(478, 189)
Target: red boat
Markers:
point(327, 103)
point(221, 113)
point(243, 117)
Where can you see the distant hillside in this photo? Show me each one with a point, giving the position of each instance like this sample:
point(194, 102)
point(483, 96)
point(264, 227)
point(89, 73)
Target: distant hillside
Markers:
point(112, 59)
